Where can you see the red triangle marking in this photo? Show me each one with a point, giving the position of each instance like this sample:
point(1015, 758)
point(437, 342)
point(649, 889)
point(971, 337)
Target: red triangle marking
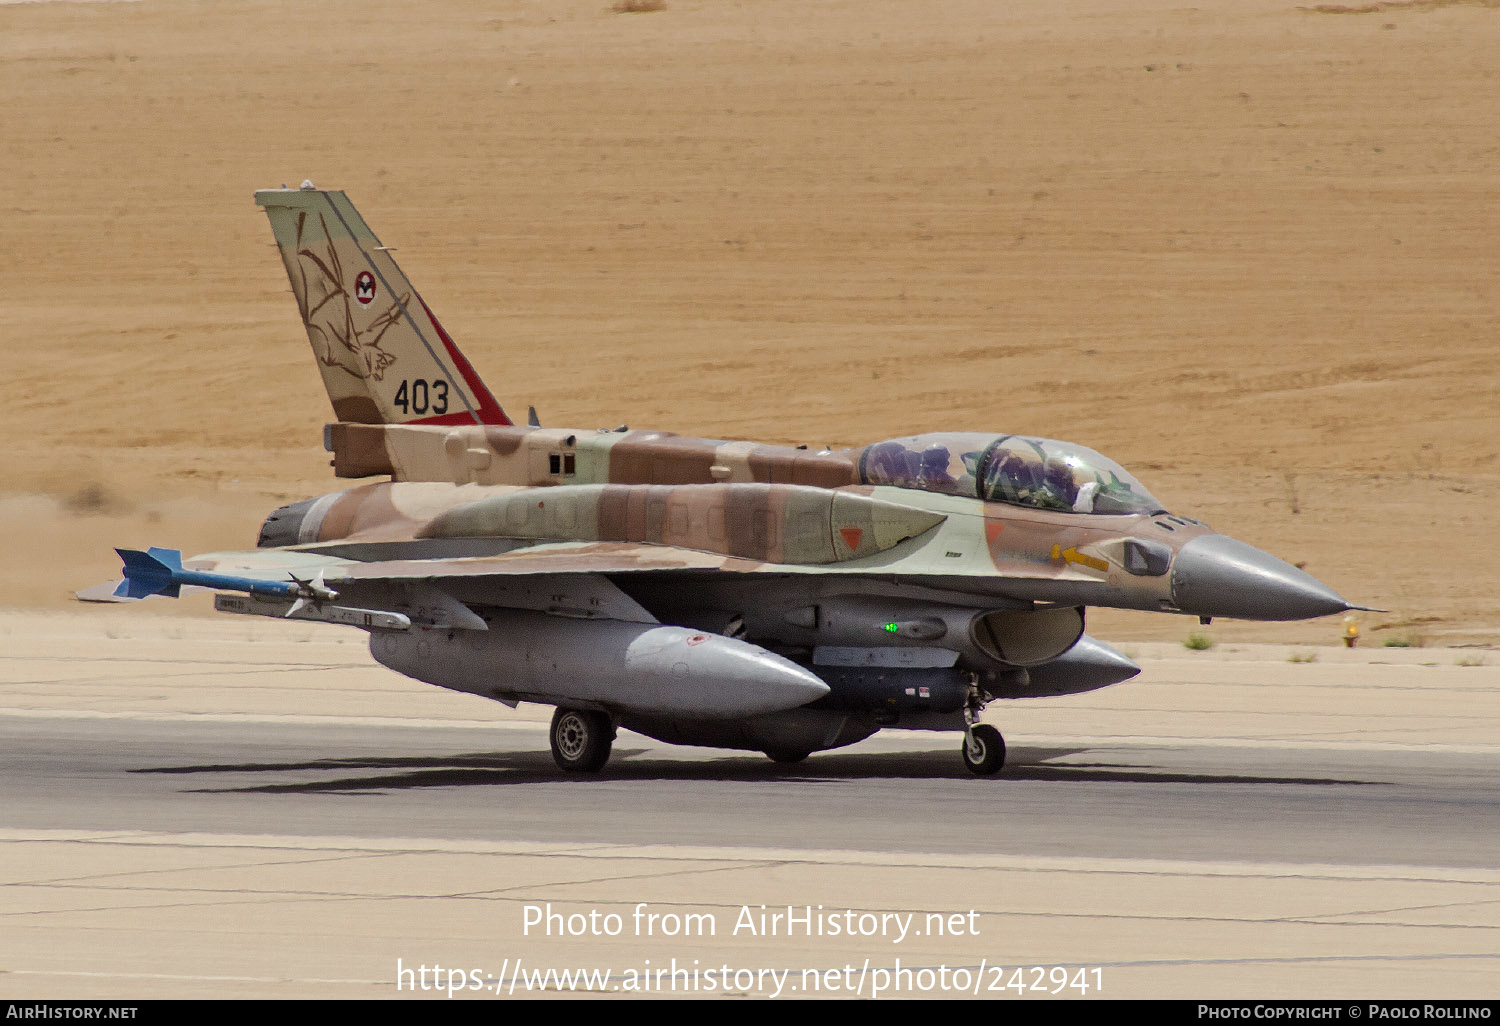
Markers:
point(852, 535)
point(992, 531)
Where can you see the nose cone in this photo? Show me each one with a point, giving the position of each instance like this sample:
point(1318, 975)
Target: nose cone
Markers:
point(1214, 575)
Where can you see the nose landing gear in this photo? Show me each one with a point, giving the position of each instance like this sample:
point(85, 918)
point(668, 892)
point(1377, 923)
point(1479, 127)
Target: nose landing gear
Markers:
point(983, 748)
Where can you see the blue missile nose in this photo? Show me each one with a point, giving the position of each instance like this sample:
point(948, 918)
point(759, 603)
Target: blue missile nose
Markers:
point(1214, 575)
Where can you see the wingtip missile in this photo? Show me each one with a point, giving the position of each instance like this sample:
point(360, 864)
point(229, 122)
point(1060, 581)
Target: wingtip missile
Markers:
point(155, 573)
point(159, 571)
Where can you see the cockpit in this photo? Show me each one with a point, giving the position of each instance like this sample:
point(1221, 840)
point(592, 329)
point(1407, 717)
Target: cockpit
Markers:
point(1037, 472)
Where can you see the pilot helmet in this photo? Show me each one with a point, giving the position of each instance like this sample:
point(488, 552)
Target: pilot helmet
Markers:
point(1059, 475)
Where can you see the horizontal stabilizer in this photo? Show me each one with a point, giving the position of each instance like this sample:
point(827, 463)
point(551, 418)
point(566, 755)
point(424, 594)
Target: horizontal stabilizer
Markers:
point(115, 591)
point(106, 592)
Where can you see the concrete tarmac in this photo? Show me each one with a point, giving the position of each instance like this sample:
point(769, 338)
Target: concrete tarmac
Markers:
point(224, 808)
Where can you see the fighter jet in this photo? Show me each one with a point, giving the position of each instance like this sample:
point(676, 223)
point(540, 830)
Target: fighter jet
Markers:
point(726, 594)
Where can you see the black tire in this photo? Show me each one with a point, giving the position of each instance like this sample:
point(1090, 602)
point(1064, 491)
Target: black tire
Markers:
point(786, 756)
point(581, 739)
point(984, 750)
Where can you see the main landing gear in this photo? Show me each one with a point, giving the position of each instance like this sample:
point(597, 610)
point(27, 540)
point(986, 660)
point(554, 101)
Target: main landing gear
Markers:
point(581, 739)
point(983, 748)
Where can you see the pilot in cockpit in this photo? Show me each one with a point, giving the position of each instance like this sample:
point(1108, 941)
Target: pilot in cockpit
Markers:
point(933, 474)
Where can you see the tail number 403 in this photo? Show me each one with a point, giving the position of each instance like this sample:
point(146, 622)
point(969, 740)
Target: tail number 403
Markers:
point(418, 396)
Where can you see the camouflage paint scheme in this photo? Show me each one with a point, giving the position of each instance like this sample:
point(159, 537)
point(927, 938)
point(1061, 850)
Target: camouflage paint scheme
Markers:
point(702, 592)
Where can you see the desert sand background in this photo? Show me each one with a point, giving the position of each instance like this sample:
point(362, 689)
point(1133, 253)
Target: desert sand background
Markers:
point(1247, 248)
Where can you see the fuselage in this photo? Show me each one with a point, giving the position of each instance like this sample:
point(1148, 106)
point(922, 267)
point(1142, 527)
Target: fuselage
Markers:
point(793, 511)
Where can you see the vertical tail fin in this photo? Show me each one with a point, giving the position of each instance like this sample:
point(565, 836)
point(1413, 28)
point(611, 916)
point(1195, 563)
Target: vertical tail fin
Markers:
point(383, 355)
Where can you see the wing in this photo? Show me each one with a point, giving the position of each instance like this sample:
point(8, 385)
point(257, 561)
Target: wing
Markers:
point(567, 579)
point(400, 583)
point(562, 558)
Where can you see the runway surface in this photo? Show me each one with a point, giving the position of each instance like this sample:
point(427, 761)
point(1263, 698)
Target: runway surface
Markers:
point(899, 792)
point(180, 802)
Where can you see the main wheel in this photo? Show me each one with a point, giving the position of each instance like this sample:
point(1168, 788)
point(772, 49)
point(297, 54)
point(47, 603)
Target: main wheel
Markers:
point(984, 750)
point(786, 756)
point(581, 739)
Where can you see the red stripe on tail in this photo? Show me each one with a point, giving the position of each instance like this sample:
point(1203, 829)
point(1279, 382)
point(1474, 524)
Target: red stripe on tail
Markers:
point(488, 410)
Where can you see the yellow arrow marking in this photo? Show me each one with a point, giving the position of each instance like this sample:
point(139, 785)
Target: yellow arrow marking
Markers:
point(1072, 555)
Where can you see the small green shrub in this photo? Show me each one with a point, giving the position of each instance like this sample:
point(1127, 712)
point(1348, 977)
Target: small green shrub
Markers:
point(1199, 641)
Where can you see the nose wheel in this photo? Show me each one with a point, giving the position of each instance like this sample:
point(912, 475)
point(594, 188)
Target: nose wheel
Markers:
point(581, 739)
point(983, 748)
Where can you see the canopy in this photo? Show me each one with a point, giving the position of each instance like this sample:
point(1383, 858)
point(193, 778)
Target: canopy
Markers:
point(1038, 472)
